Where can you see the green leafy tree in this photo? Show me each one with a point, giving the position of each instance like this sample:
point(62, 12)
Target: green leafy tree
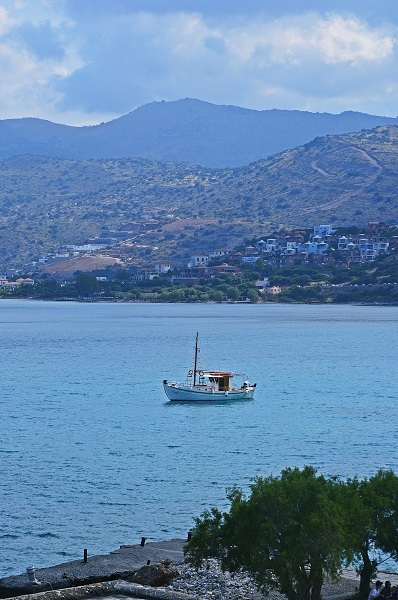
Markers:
point(252, 295)
point(217, 296)
point(86, 284)
point(260, 265)
point(232, 292)
point(123, 275)
point(288, 534)
point(49, 288)
point(371, 509)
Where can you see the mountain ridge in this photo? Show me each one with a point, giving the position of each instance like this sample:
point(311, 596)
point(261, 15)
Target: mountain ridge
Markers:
point(186, 130)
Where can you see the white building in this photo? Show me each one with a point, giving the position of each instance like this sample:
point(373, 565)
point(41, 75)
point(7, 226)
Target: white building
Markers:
point(146, 273)
point(323, 230)
point(275, 289)
point(162, 266)
point(261, 284)
point(314, 247)
point(198, 260)
point(219, 253)
point(368, 249)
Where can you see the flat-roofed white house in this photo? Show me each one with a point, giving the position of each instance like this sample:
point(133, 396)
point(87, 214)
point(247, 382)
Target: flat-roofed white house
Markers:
point(261, 284)
point(162, 266)
point(314, 247)
point(146, 273)
point(198, 260)
point(219, 253)
point(323, 230)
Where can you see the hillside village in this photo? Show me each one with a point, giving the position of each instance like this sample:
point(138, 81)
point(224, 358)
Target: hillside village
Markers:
point(323, 248)
point(150, 211)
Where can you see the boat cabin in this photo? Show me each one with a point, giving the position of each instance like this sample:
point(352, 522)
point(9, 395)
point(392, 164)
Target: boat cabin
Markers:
point(220, 381)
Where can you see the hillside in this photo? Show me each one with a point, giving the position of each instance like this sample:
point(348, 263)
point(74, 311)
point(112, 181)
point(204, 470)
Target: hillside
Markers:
point(183, 131)
point(48, 202)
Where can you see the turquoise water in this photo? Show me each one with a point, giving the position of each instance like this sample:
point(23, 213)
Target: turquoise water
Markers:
point(92, 456)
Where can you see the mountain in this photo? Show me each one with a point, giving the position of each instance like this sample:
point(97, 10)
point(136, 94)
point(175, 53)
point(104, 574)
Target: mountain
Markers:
point(339, 179)
point(183, 131)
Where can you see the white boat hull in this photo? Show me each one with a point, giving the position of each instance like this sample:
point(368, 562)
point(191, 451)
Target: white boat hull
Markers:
point(187, 393)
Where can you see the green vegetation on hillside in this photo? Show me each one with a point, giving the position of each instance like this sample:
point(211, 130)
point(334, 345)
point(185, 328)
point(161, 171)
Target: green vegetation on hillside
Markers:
point(46, 203)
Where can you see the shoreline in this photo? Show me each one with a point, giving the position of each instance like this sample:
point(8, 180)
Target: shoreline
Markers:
point(212, 302)
point(109, 575)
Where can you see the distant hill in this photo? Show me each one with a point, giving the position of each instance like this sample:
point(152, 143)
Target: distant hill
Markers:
point(338, 179)
point(183, 131)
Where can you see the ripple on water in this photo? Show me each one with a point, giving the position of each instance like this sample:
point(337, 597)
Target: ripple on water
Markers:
point(92, 456)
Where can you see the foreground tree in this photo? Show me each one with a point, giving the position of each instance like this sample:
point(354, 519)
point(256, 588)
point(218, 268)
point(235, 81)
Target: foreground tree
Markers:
point(371, 511)
point(288, 533)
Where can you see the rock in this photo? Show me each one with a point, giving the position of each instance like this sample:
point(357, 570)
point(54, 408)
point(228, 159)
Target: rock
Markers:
point(158, 575)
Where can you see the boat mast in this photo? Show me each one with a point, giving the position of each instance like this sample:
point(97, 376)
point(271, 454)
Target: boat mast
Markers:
point(196, 359)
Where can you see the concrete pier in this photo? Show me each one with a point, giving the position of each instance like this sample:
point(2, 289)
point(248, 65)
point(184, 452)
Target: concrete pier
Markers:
point(107, 567)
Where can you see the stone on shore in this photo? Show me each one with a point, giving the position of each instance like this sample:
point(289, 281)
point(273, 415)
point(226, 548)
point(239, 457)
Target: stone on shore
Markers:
point(158, 575)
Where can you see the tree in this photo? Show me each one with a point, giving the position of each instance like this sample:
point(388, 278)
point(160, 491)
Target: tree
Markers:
point(260, 265)
point(232, 292)
point(123, 275)
point(217, 296)
point(288, 534)
point(252, 295)
point(49, 288)
point(371, 509)
point(87, 284)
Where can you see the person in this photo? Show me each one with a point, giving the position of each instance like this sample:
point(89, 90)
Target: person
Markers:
point(376, 590)
point(386, 591)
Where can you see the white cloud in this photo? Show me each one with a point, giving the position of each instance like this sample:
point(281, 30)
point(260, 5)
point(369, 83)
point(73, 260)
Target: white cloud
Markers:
point(94, 69)
point(6, 21)
point(24, 82)
point(332, 39)
point(351, 41)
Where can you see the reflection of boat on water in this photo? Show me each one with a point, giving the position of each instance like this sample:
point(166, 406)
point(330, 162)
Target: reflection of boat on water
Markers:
point(204, 385)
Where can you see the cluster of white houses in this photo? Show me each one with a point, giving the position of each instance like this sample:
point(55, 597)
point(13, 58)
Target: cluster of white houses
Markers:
point(287, 248)
point(323, 247)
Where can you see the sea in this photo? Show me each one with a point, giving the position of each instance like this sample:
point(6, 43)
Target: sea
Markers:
point(93, 456)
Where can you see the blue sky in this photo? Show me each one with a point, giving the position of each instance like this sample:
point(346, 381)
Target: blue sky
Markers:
point(87, 61)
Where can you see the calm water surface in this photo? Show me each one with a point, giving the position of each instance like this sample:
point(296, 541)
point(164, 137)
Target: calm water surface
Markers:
point(92, 456)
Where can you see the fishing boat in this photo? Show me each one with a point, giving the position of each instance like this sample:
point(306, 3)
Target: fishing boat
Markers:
point(203, 385)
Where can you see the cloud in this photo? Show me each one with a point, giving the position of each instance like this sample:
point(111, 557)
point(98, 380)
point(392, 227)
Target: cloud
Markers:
point(6, 21)
point(42, 40)
point(351, 41)
point(331, 40)
point(22, 75)
point(223, 9)
point(145, 56)
point(75, 61)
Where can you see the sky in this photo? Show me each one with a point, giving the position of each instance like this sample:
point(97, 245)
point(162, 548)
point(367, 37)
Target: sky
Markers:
point(82, 62)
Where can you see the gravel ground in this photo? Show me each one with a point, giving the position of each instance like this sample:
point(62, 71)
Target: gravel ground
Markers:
point(210, 583)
